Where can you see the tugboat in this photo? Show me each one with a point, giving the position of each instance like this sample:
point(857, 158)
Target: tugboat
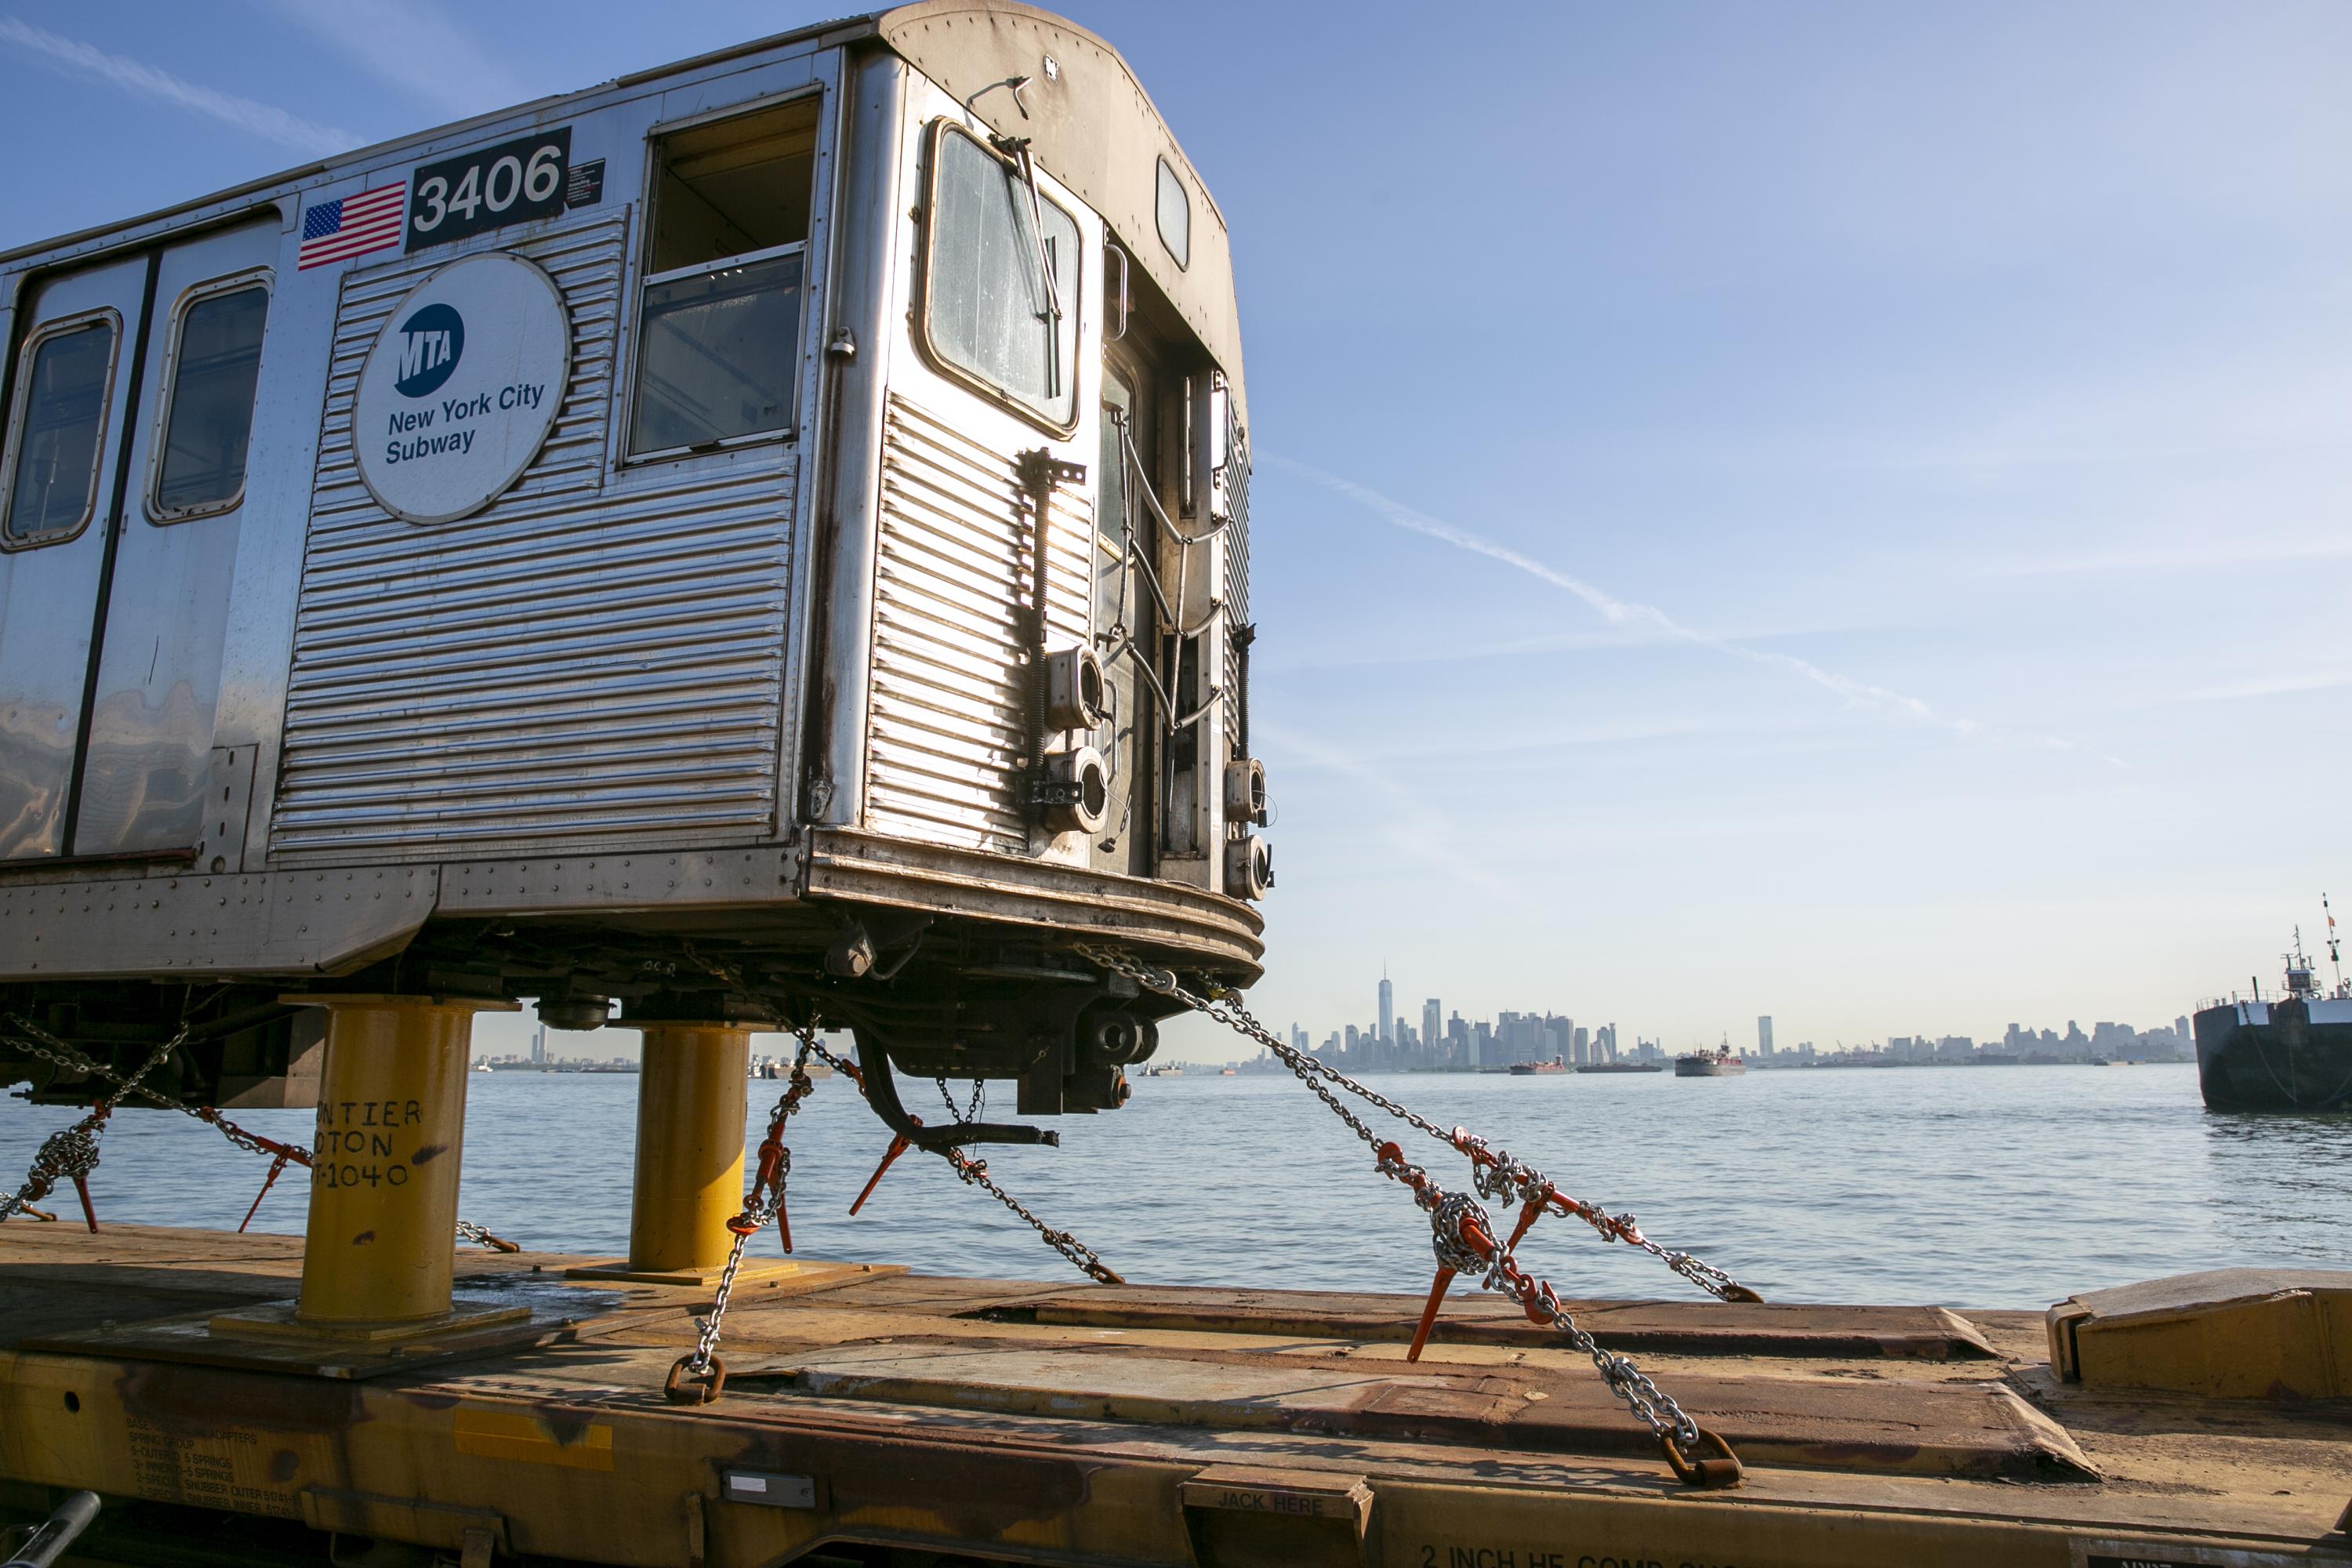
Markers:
point(2291, 1053)
point(1720, 1062)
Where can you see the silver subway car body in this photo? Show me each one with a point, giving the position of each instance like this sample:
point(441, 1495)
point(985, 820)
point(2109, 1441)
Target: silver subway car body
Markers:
point(758, 539)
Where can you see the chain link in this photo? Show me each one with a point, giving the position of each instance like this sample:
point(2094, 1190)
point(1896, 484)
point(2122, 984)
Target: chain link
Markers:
point(1455, 1218)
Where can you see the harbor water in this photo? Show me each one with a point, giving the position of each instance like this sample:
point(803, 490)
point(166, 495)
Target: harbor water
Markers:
point(1963, 1186)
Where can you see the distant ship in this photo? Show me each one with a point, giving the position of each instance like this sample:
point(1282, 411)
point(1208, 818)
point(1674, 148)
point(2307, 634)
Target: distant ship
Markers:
point(1530, 1069)
point(2291, 1053)
point(1720, 1062)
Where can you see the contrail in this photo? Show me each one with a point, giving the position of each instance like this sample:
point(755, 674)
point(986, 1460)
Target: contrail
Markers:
point(1630, 613)
point(72, 57)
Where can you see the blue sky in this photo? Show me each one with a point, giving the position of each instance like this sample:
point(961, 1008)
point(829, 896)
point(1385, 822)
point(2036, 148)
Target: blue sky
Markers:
point(1835, 510)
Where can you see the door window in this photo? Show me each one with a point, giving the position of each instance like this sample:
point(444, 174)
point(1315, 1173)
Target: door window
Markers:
point(63, 381)
point(1001, 280)
point(208, 410)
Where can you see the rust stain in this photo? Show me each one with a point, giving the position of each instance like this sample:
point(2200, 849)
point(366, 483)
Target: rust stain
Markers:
point(195, 1400)
point(364, 1239)
point(978, 1493)
point(283, 1465)
point(428, 1153)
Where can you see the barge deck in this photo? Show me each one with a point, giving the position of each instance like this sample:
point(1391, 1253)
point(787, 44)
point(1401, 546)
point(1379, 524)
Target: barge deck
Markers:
point(877, 1417)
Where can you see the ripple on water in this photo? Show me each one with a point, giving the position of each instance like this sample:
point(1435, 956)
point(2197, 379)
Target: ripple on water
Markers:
point(1978, 1186)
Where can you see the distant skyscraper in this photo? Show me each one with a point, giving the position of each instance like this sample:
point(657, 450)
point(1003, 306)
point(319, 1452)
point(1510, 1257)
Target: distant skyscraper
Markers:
point(1433, 1023)
point(539, 1045)
point(1764, 1033)
point(1388, 1011)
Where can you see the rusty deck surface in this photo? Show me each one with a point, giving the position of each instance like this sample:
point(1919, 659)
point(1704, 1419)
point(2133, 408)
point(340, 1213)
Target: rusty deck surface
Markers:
point(1058, 1422)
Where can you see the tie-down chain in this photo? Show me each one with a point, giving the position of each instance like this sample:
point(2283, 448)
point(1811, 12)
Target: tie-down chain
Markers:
point(698, 1376)
point(1463, 1234)
point(72, 1153)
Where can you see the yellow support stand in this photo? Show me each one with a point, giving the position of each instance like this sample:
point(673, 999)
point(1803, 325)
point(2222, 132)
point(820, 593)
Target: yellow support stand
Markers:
point(692, 1086)
point(381, 1245)
point(689, 1174)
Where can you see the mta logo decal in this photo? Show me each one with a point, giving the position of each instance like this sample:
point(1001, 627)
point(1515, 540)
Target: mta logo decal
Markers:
point(431, 341)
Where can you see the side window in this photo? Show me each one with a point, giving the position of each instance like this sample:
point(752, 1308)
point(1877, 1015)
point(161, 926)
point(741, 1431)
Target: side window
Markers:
point(1001, 280)
point(720, 325)
point(1175, 215)
point(209, 381)
point(62, 384)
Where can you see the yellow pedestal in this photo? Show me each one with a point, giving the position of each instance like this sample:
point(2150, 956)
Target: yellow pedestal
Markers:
point(384, 1187)
point(690, 1170)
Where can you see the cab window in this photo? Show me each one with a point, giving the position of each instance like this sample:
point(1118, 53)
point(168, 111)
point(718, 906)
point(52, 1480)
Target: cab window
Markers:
point(718, 325)
point(1001, 280)
point(62, 382)
point(208, 412)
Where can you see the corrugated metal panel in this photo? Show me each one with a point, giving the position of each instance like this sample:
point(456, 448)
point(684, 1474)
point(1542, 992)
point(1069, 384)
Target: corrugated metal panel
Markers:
point(1235, 479)
point(949, 697)
point(571, 665)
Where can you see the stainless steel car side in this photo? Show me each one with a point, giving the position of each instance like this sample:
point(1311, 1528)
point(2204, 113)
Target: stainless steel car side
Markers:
point(759, 538)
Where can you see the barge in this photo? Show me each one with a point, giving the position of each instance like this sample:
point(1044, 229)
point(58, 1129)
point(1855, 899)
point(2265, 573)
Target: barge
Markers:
point(890, 1420)
point(2293, 1052)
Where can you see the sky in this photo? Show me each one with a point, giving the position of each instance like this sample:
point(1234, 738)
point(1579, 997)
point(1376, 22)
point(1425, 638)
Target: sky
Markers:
point(1834, 511)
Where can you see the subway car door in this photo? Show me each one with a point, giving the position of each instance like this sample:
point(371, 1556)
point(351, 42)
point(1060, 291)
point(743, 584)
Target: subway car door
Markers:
point(67, 399)
point(130, 410)
point(147, 756)
point(1126, 619)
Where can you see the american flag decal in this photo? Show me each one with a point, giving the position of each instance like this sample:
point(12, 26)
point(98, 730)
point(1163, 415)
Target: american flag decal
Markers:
point(351, 225)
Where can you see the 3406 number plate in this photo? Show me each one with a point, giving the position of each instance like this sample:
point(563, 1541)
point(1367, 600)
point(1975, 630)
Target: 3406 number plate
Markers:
point(490, 188)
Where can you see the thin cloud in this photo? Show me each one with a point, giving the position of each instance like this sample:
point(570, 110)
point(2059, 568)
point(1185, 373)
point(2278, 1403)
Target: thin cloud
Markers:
point(2224, 557)
point(2287, 684)
point(413, 48)
point(1634, 614)
point(1411, 828)
point(70, 56)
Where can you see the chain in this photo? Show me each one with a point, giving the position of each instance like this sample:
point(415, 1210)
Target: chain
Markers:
point(974, 1173)
point(1495, 1171)
point(970, 1112)
point(1463, 1236)
point(32, 1037)
point(699, 1374)
point(1498, 1174)
point(469, 1231)
point(73, 1151)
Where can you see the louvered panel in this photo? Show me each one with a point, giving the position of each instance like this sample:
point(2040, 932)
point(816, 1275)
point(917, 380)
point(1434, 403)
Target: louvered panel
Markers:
point(1234, 477)
point(569, 666)
point(950, 700)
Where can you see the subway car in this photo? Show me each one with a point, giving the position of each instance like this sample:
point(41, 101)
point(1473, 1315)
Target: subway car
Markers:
point(765, 538)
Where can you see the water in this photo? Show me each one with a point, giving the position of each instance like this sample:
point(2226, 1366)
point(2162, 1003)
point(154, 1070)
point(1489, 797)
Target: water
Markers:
point(1972, 1186)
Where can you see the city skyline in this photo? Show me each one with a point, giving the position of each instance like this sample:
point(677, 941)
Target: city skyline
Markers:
point(1447, 1041)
